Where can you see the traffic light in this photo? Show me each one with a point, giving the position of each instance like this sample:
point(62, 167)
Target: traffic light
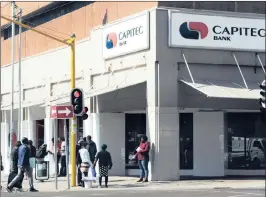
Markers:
point(85, 115)
point(77, 101)
point(263, 96)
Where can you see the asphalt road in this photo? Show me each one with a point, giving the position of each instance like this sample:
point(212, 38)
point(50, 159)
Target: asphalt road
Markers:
point(154, 193)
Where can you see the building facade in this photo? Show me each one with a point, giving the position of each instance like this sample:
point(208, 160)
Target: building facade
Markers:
point(189, 79)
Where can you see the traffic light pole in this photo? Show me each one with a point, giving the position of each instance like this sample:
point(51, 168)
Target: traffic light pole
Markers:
point(70, 42)
point(74, 119)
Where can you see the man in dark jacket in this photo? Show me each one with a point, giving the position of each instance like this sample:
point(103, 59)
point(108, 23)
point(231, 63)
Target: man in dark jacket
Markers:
point(91, 147)
point(14, 158)
point(79, 174)
point(23, 166)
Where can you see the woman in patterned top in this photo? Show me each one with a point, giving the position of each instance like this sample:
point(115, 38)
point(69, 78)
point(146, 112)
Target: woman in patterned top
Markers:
point(105, 164)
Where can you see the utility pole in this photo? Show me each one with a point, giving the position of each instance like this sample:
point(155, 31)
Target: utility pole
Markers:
point(0, 95)
point(12, 76)
point(70, 42)
point(20, 115)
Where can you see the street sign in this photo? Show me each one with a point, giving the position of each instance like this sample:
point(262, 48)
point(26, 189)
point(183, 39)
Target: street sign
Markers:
point(62, 111)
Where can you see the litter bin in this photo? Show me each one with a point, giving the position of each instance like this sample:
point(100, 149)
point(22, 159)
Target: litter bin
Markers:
point(42, 170)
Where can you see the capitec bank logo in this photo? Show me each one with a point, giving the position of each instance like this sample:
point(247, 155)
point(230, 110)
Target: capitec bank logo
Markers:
point(111, 40)
point(193, 30)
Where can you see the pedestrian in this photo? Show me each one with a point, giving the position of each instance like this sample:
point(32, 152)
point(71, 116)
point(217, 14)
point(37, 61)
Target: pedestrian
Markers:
point(23, 166)
point(143, 158)
point(63, 170)
point(105, 164)
point(79, 174)
point(84, 162)
point(32, 155)
point(57, 154)
point(92, 148)
point(14, 167)
point(40, 154)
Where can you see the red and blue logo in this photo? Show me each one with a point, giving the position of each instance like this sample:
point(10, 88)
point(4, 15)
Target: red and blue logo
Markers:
point(111, 40)
point(193, 30)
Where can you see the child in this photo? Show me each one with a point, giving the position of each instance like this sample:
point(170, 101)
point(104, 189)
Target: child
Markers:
point(105, 164)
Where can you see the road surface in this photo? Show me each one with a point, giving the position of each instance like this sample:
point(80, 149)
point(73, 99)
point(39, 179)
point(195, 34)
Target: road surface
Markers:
point(157, 193)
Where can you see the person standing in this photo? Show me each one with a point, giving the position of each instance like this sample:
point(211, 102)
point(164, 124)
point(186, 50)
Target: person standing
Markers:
point(32, 154)
point(57, 154)
point(79, 174)
point(83, 159)
point(143, 158)
point(14, 167)
point(92, 148)
point(105, 164)
point(23, 166)
point(63, 171)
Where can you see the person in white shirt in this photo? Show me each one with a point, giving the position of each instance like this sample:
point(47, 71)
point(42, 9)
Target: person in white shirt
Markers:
point(84, 161)
point(63, 171)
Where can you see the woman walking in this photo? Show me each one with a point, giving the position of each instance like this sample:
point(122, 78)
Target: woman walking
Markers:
point(105, 164)
point(84, 162)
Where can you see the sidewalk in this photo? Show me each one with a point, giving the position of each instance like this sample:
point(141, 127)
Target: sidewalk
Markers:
point(129, 183)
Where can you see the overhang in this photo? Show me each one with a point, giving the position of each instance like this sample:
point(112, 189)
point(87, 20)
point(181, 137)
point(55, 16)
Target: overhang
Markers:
point(225, 89)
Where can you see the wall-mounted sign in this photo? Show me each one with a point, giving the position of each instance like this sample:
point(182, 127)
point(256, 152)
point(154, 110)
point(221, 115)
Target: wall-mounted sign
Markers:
point(128, 36)
point(218, 32)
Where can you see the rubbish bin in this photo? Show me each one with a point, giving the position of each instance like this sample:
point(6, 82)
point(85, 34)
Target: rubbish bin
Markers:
point(42, 170)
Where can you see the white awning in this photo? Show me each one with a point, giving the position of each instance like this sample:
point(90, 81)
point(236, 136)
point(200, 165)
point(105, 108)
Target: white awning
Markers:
point(225, 89)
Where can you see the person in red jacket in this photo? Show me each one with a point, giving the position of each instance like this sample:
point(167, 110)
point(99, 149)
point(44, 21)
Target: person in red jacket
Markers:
point(143, 158)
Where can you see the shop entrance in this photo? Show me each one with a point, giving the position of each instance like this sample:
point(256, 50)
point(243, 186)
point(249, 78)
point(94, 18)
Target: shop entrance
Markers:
point(39, 133)
point(135, 127)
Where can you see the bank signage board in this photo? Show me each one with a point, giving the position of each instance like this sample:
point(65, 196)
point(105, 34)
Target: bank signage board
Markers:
point(216, 32)
point(128, 36)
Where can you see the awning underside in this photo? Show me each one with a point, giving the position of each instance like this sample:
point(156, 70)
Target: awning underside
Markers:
point(225, 89)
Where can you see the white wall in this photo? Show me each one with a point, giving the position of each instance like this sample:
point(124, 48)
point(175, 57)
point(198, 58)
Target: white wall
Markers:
point(208, 147)
point(109, 129)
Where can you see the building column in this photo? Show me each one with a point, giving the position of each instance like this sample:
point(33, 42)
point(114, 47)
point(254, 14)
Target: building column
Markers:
point(208, 137)
point(5, 141)
point(48, 135)
point(29, 126)
point(163, 122)
point(109, 129)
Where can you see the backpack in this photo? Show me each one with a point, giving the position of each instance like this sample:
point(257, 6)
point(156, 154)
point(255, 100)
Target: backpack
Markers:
point(40, 153)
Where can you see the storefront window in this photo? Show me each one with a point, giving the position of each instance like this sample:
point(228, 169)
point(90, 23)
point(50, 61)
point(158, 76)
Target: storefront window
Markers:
point(246, 141)
point(186, 140)
point(135, 127)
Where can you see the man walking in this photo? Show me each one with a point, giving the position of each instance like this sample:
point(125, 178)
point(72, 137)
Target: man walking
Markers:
point(91, 147)
point(23, 166)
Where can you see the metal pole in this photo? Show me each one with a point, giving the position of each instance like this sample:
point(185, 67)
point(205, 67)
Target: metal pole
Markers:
point(12, 76)
point(158, 115)
point(19, 79)
point(55, 151)
point(0, 100)
point(67, 153)
point(74, 119)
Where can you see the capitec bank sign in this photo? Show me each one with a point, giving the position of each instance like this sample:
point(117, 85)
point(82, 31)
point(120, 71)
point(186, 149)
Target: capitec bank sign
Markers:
point(126, 37)
point(216, 32)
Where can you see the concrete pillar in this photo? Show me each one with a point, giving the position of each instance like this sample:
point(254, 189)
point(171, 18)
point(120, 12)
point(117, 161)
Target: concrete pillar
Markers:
point(48, 135)
point(29, 126)
point(163, 122)
point(5, 142)
point(109, 129)
point(208, 137)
